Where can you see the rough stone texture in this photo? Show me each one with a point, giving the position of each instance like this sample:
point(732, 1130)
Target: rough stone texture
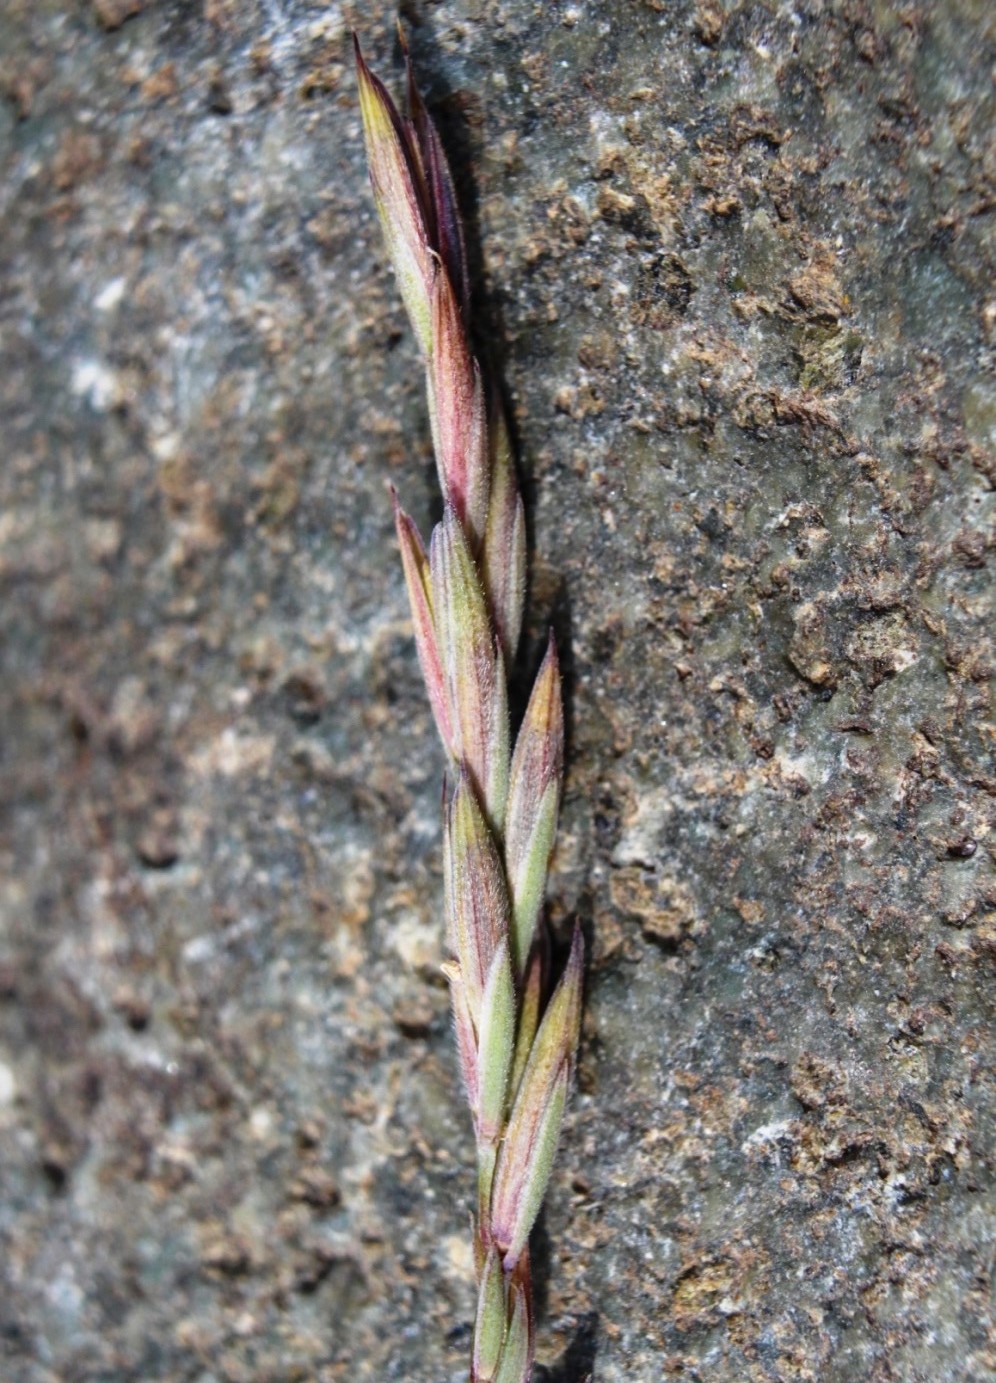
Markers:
point(732, 259)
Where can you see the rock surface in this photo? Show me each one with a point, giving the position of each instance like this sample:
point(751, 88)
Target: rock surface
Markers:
point(731, 265)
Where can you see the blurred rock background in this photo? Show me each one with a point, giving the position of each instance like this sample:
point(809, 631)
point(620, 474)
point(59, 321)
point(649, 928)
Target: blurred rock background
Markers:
point(731, 264)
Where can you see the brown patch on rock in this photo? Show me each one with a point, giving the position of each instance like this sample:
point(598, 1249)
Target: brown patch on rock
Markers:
point(414, 1017)
point(809, 651)
point(316, 1187)
point(664, 908)
point(225, 1253)
point(814, 1083)
point(709, 20)
point(111, 14)
point(699, 1291)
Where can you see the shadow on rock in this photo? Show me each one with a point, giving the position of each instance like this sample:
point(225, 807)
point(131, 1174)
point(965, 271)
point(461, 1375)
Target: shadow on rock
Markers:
point(578, 1362)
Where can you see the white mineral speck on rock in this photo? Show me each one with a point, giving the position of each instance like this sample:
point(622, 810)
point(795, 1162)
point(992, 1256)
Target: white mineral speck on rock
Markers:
point(94, 381)
point(110, 296)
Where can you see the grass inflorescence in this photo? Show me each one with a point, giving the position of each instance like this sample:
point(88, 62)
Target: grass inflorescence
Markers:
point(467, 590)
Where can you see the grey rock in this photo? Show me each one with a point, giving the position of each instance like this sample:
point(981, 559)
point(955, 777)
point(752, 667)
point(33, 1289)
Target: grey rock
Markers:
point(731, 263)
